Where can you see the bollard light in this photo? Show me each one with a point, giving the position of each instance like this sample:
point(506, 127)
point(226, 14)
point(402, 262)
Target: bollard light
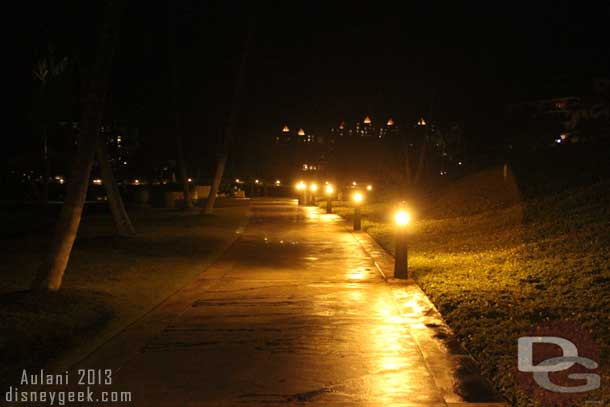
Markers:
point(357, 198)
point(401, 257)
point(329, 198)
point(313, 187)
point(302, 188)
point(402, 218)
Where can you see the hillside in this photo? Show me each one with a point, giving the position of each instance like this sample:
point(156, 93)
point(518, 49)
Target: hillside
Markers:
point(496, 265)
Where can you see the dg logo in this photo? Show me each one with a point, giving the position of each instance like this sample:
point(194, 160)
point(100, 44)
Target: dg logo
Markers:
point(557, 364)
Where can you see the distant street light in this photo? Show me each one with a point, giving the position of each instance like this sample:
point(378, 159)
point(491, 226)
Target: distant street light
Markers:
point(278, 182)
point(313, 187)
point(369, 187)
point(329, 198)
point(302, 188)
point(401, 257)
point(358, 198)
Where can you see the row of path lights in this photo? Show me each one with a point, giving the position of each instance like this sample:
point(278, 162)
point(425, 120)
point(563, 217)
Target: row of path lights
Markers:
point(401, 220)
point(329, 198)
point(307, 193)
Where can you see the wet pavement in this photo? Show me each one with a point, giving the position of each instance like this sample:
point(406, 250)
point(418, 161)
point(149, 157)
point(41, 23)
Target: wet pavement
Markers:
point(296, 312)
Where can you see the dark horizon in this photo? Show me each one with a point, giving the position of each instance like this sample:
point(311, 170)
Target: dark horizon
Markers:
point(313, 65)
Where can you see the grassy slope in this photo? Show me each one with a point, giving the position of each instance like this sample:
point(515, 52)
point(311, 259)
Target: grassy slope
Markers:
point(109, 282)
point(495, 265)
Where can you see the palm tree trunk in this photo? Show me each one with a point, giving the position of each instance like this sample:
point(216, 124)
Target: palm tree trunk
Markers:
point(220, 168)
point(228, 135)
point(50, 274)
point(173, 78)
point(46, 170)
point(188, 201)
point(408, 173)
point(421, 164)
point(119, 214)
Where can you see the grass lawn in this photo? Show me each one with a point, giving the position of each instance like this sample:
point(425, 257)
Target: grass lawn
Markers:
point(109, 282)
point(495, 265)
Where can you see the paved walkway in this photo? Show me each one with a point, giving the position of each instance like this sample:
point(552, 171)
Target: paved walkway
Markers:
point(296, 312)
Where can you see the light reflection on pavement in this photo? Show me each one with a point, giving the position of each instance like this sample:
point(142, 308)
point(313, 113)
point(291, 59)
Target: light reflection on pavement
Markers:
point(294, 312)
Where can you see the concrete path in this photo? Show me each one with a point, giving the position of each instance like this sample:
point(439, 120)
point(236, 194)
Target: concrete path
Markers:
point(296, 312)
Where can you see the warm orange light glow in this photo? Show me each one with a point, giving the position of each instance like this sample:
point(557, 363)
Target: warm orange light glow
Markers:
point(329, 189)
point(421, 122)
point(301, 132)
point(369, 187)
point(136, 181)
point(367, 120)
point(285, 129)
point(390, 122)
point(190, 180)
point(278, 182)
point(237, 180)
point(354, 183)
point(256, 181)
point(358, 197)
point(97, 181)
point(301, 186)
point(402, 218)
point(313, 187)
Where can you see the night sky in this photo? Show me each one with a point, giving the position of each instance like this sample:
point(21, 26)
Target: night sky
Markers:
point(312, 64)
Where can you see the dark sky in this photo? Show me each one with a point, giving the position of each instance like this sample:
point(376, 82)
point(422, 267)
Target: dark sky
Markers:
point(312, 64)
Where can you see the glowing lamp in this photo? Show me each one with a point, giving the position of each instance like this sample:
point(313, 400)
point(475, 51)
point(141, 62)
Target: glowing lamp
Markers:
point(313, 187)
point(402, 218)
point(358, 197)
point(329, 189)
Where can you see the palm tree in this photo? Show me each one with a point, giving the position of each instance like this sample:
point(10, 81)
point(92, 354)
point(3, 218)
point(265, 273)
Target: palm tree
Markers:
point(229, 129)
point(51, 272)
point(172, 57)
point(46, 70)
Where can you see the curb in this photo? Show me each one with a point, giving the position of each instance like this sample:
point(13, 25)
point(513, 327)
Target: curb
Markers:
point(445, 358)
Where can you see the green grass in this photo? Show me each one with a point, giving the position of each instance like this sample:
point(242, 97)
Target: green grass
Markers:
point(109, 282)
point(495, 266)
